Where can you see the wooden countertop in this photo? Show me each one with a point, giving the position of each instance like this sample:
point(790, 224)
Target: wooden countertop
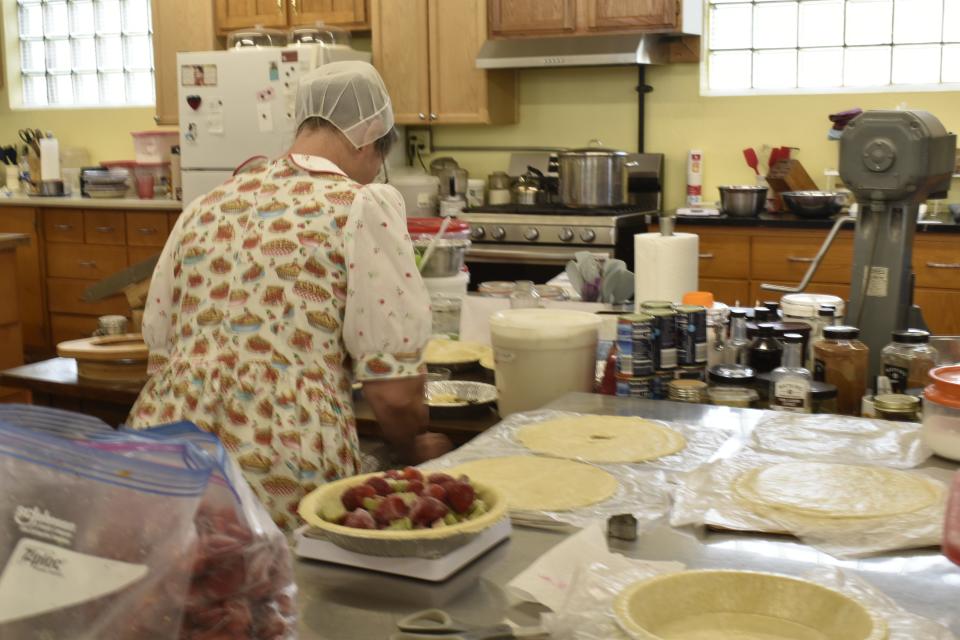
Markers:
point(70, 202)
point(10, 241)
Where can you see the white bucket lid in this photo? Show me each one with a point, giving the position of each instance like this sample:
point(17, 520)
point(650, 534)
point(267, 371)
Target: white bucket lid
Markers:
point(805, 305)
point(544, 324)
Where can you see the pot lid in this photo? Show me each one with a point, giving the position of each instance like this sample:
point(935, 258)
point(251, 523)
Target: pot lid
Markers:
point(592, 152)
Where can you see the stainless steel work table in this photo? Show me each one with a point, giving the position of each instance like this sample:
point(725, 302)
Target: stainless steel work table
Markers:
point(337, 602)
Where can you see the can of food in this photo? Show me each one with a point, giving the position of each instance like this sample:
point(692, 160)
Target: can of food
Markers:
point(664, 339)
point(691, 335)
point(638, 328)
point(660, 384)
point(697, 372)
point(651, 305)
point(624, 364)
point(694, 391)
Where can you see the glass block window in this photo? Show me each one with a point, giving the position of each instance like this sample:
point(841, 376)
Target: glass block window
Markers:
point(85, 53)
point(782, 46)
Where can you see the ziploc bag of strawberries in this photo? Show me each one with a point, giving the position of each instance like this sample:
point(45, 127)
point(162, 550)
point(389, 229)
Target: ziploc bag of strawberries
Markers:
point(95, 544)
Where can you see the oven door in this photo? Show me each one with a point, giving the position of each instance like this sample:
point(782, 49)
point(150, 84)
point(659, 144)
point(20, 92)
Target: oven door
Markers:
point(522, 262)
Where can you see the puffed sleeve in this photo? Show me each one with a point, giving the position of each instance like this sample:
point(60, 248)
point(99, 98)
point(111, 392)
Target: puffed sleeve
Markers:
point(159, 321)
point(387, 322)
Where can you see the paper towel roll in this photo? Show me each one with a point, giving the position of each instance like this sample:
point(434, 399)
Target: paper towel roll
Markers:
point(665, 267)
point(49, 159)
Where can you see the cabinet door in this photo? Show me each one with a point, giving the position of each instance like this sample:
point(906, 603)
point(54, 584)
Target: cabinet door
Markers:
point(786, 258)
point(147, 229)
point(343, 13)
point(30, 278)
point(531, 17)
point(729, 292)
point(936, 261)
point(631, 15)
point(400, 54)
point(459, 92)
point(242, 14)
point(941, 310)
point(178, 25)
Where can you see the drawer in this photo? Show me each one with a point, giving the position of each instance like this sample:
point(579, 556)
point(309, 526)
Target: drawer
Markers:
point(104, 227)
point(66, 327)
point(725, 256)
point(63, 226)
point(147, 229)
point(84, 261)
point(66, 296)
point(786, 259)
point(941, 310)
point(761, 295)
point(139, 254)
point(937, 264)
point(172, 220)
point(9, 291)
point(729, 292)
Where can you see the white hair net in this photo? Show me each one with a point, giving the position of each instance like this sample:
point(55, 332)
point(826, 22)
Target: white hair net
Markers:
point(351, 96)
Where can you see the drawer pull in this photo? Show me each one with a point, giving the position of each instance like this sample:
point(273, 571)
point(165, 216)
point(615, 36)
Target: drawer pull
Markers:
point(944, 265)
point(63, 227)
point(147, 231)
point(88, 263)
point(707, 256)
point(105, 229)
point(799, 259)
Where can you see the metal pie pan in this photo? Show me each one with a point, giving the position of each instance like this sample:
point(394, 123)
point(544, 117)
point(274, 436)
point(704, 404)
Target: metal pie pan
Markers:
point(725, 605)
point(473, 397)
point(416, 543)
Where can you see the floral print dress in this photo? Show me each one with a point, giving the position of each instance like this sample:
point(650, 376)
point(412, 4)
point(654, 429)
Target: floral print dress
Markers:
point(274, 293)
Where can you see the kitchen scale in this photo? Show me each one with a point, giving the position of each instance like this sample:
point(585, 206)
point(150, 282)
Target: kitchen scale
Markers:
point(432, 570)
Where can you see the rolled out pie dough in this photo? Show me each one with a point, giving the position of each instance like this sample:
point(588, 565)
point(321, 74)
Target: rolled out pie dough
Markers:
point(822, 490)
point(531, 483)
point(602, 438)
point(441, 351)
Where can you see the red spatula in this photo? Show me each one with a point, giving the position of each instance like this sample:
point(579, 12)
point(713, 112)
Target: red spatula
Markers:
point(750, 155)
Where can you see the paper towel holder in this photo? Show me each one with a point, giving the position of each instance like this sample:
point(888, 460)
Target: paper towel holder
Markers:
point(667, 224)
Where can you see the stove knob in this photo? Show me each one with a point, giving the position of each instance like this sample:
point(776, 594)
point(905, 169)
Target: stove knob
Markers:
point(498, 233)
point(588, 235)
point(531, 234)
point(566, 234)
point(477, 233)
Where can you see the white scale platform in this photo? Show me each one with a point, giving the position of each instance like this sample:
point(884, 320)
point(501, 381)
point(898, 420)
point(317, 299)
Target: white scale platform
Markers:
point(433, 570)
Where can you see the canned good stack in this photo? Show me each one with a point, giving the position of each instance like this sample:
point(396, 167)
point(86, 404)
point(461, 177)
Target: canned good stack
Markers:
point(662, 343)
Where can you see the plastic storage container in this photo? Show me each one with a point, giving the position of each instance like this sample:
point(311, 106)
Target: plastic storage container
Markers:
point(941, 412)
point(152, 147)
point(421, 193)
point(951, 524)
point(256, 38)
point(542, 354)
point(152, 180)
point(448, 253)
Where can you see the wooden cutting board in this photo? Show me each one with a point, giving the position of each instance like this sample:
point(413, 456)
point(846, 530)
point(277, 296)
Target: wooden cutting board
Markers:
point(121, 358)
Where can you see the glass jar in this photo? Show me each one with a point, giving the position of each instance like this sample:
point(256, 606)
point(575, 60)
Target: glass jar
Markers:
point(781, 329)
point(841, 359)
point(496, 288)
point(907, 361)
point(731, 386)
point(898, 407)
point(823, 397)
point(737, 397)
point(445, 312)
point(805, 308)
point(694, 391)
point(525, 296)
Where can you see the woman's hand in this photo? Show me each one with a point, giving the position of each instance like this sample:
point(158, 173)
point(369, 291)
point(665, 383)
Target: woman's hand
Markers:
point(429, 445)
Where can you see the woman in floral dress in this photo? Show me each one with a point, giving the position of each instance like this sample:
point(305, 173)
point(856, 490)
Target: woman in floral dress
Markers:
point(280, 288)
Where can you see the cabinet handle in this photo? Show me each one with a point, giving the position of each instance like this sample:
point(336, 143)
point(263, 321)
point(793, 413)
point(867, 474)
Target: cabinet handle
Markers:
point(105, 229)
point(63, 227)
point(88, 263)
point(707, 256)
point(147, 231)
point(422, 116)
point(293, 6)
point(944, 265)
point(433, 116)
point(797, 259)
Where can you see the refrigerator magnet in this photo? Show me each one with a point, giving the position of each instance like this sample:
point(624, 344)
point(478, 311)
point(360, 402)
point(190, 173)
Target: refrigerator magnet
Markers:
point(264, 117)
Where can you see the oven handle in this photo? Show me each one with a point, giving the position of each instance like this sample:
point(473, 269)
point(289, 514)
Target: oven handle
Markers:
point(525, 256)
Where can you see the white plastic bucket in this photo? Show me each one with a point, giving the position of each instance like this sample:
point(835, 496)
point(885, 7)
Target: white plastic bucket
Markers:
point(541, 354)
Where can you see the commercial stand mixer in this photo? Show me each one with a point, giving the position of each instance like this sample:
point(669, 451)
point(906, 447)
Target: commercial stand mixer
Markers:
point(892, 161)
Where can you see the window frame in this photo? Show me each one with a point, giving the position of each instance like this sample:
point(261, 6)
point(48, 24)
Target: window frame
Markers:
point(707, 91)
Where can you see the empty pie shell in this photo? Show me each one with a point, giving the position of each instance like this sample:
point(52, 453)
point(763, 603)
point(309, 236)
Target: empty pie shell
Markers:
point(602, 438)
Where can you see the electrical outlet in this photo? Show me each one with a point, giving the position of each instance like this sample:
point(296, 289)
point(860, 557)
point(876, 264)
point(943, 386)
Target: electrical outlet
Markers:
point(419, 139)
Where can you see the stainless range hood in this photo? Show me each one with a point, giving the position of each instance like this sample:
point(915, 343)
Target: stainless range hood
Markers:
point(572, 51)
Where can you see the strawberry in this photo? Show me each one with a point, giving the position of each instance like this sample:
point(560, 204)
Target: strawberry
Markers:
point(460, 496)
point(360, 519)
point(392, 508)
point(353, 497)
point(380, 485)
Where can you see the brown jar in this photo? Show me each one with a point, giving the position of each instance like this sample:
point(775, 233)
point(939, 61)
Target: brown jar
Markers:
point(842, 360)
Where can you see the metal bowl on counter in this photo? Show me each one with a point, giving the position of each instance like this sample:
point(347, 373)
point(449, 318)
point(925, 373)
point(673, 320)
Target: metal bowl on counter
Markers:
point(743, 200)
point(813, 204)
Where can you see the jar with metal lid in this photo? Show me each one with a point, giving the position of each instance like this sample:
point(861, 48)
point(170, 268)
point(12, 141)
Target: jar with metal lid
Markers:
point(694, 391)
point(737, 397)
point(898, 407)
point(907, 360)
point(651, 305)
point(731, 375)
point(841, 359)
point(805, 308)
point(496, 288)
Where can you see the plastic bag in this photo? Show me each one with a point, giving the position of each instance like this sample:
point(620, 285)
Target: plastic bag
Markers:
point(94, 544)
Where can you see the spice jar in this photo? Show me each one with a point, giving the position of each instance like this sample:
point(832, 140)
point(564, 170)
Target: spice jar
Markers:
point(731, 386)
point(841, 359)
point(823, 395)
point(898, 407)
point(694, 391)
point(907, 360)
point(765, 351)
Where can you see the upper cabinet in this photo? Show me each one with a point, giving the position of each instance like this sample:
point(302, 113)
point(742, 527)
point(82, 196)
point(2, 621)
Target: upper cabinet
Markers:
point(178, 25)
point(528, 17)
point(243, 14)
point(426, 51)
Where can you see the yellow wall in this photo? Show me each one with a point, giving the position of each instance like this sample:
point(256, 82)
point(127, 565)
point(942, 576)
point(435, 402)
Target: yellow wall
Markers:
point(568, 107)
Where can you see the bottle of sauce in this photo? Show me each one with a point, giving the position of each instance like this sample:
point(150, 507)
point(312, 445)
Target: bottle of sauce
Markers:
point(766, 351)
point(908, 359)
point(842, 360)
point(790, 383)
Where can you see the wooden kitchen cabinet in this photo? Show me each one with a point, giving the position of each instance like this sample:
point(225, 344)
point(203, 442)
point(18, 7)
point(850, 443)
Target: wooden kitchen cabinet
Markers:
point(941, 309)
point(280, 14)
point(631, 15)
point(104, 227)
point(241, 14)
point(531, 17)
point(426, 52)
point(788, 257)
point(342, 13)
point(30, 278)
point(178, 25)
